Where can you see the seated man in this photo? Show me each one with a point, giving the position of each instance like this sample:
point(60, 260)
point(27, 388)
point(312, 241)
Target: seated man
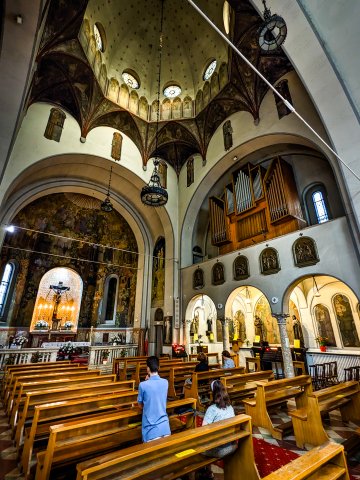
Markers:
point(152, 399)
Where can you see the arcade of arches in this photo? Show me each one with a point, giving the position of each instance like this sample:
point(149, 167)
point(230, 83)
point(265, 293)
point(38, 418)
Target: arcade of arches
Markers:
point(262, 222)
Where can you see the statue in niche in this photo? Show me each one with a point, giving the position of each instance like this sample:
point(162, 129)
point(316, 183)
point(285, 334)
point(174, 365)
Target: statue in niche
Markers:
point(194, 327)
point(305, 252)
point(55, 124)
point(167, 337)
point(162, 169)
point(227, 132)
point(239, 325)
point(198, 279)
point(209, 326)
point(269, 261)
point(283, 88)
point(218, 277)
point(116, 146)
point(324, 326)
point(190, 172)
point(241, 268)
point(259, 328)
point(298, 333)
point(346, 321)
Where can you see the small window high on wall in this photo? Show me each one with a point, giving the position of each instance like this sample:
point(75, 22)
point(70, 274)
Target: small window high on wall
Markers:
point(317, 204)
point(5, 286)
point(320, 207)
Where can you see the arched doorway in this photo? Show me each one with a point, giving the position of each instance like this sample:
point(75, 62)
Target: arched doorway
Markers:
point(201, 325)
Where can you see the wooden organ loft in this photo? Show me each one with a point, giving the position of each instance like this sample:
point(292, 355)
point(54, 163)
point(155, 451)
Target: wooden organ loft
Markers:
point(258, 204)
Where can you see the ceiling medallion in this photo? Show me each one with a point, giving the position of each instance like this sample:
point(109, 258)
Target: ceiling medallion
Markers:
point(272, 32)
point(106, 205)
point(154, 194)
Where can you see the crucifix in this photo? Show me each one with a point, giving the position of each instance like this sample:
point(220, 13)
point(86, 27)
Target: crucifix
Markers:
point(58, 290)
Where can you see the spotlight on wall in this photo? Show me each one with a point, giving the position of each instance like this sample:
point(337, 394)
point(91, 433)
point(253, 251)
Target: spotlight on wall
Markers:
point(10, 228)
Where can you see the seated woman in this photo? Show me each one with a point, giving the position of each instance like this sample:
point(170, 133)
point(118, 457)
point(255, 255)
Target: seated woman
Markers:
point(203, 365)
point(228, 362)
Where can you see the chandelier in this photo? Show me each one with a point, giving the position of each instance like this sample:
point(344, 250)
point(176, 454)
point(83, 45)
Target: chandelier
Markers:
point(154, 194)
point(272, 31)
point(106, 205)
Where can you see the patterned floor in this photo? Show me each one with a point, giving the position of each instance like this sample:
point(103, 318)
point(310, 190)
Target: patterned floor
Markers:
point(336, 430)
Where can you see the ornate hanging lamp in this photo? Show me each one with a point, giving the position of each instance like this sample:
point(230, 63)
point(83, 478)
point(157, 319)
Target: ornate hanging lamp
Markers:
point(272, 32)
point(154, 194)
point(106, 205)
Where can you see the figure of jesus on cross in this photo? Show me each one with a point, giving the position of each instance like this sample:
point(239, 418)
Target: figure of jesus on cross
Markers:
point(58, 290)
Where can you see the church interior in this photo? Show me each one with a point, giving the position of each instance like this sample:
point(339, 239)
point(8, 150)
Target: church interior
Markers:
point(181, 177)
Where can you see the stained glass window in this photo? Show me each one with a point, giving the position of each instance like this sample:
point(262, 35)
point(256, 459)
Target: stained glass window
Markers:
point(320, 207)
point(130, 80)
point(172, 91)
point(210, 69)
point(98, 38)
point(4, 286)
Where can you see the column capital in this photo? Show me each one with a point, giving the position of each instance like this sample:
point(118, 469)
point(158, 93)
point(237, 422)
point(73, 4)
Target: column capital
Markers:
point(281, 317)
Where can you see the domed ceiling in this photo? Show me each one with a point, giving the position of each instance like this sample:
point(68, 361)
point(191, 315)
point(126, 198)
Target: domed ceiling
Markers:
point(76, 76)
point(132, 41)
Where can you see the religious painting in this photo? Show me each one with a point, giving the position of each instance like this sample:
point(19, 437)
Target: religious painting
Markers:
point(241, 268)
point(305, 252)
point(219, 331)
point(269, 261)
point(227, 133)
point(158, 281)
point(198, 279)
point(345, 321)
point(293, 325)
point(237, 327)
point(55, 124)
point(167, 330)
point(162, 170)
point(217, 274)
point(283, 88)
point(190, 172)
point(265, 324)
point(116, 146)
point(323, 324)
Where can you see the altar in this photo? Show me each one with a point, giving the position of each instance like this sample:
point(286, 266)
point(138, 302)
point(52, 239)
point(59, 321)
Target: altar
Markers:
point(38, 337)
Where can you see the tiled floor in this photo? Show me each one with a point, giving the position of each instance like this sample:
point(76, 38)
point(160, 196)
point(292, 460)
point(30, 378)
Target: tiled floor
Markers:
point(334, 427)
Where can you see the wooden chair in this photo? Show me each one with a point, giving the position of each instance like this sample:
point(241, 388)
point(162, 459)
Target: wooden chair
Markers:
point(274, 393)
point(307, 420)
point(75, 440)
point(48, 414)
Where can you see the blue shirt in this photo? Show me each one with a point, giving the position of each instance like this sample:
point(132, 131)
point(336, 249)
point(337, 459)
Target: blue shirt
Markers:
point(228, 363)
point(153, 395)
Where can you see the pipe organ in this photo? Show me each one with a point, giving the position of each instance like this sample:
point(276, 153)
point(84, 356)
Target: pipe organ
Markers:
point(259, 203)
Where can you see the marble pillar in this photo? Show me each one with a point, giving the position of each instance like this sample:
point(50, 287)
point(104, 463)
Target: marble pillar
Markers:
point(285, 344)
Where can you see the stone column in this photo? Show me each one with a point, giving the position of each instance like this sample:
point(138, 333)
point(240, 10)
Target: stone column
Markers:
point(187, 339)
point(225, 332)
point(285, 344)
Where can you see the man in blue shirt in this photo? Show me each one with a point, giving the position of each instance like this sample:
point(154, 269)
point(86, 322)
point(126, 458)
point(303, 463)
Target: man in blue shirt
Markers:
point(152, 398)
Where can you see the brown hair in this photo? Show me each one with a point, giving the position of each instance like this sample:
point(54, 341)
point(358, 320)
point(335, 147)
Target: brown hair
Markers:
point(220, 396)
point(226, 354)
point(202, 357)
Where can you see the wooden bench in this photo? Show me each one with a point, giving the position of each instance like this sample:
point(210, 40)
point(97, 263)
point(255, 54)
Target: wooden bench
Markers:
point(119, 363)
point(307, 421)
point(138, 370)
point(212, 357)
point(79, 439)
point(242, 386)
point(47, 414)
point(54, 384)
point(180, 454)
point(178, 375)
point(46, 374)
point(255, 361)
point(40, 397)
point(271, 394)
point(200, 383)
point(11, 378)
point(130, 369)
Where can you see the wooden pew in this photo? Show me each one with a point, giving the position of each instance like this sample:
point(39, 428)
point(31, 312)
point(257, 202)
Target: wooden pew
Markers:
point(137, 370)
point(178, 375)
point(242, 386)
point(307, 421)
point(200, 383)
point(274, 393)
point(76, 440)
point(23, 371)
point(118, 363)
point(31, 376)
point(255, 361)
point(40, 397)
point(212, 357)
point(122, 365)
point(47, 414)
point(53, 384)
point(178, 455)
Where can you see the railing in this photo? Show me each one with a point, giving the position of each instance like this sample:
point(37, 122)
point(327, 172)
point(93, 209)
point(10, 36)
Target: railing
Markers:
point(115, 351)
point(26, 355)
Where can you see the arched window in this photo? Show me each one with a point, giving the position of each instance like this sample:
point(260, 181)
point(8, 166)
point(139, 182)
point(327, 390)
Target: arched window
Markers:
point(197, 254)
point(5, 287)
point(320, 207)
point(316, 204)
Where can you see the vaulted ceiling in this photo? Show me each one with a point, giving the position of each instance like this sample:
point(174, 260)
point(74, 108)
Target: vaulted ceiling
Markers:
point(66, 78)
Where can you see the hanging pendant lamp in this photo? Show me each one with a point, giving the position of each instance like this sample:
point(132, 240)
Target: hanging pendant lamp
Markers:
point(106, 205)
